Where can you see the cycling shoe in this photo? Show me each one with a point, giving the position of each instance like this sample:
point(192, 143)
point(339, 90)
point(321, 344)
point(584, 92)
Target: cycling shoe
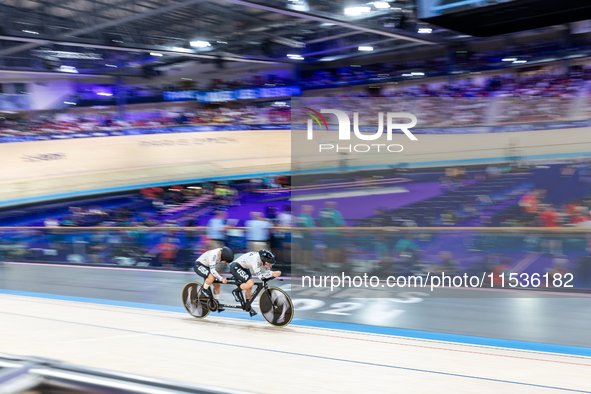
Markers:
point(237, 293)
point(207, 293)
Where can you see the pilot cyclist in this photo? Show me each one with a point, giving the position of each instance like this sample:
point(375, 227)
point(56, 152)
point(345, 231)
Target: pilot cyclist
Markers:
point(240, 269)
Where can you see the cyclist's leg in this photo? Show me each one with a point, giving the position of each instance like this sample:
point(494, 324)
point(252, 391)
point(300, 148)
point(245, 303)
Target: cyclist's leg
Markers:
point(241, 274)
point(204, 272)
point(216, 289)
point(248, 288)
point(243, 278)
point(220, 267)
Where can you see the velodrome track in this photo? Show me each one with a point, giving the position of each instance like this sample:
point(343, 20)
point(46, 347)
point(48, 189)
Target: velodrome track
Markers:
point(132, 321)
point(109, 164)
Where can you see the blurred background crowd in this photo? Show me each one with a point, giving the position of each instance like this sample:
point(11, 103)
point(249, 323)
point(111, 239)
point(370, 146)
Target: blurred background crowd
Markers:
point(499, 101)
point(170, 226)
point(520, 82)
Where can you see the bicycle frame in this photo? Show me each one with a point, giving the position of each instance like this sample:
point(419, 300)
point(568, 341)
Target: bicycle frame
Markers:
point(248, 303)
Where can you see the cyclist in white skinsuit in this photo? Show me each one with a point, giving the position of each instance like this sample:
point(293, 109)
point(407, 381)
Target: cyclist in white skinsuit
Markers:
point(205, 266)
point(241, 267)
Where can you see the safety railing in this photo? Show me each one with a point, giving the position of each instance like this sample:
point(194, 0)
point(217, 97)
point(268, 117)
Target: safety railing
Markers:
point(301, 250)
point(28, 374)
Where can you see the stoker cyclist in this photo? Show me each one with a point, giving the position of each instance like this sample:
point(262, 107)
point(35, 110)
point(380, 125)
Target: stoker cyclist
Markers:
point(205, 266)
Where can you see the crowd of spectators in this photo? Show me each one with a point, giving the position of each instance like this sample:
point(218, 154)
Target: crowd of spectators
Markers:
point(500, 195)
point(73, 124)
point(540, 97)
point(403, 253)
point(498, 100)
point(539, 214)
point(430, 112)
point(533, 110)
point(154, 206)
point(546, 83)
point(173, 206)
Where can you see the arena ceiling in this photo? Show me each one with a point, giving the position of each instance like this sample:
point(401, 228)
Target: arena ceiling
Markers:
point(118, 36)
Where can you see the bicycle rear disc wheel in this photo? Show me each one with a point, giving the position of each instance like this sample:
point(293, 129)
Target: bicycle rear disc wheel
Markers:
point(276, 307)
point(194, 301)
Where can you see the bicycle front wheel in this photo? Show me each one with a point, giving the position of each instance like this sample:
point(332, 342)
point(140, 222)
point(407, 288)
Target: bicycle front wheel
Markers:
point(276, 307)
point(194, 300)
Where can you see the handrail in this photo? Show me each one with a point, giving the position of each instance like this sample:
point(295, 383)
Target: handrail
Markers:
point(31, 372)
point(448, 228)
point(377, 182)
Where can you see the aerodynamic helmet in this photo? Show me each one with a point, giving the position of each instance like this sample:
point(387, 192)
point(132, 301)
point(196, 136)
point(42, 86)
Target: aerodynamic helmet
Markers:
point(267, 257)
point(227, 255)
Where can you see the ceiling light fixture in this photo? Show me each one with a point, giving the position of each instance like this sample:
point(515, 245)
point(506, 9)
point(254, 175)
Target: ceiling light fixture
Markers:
point(381, 5)
point(356, 11)
point(68, 69)
point(200, 44)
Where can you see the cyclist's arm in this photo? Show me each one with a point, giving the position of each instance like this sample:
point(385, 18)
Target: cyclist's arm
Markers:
point(261, 275)
point(213, 271)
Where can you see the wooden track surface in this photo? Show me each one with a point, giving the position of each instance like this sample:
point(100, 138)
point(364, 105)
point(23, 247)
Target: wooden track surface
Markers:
point(253, 356)
point(40, 168)
point(62, 166)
